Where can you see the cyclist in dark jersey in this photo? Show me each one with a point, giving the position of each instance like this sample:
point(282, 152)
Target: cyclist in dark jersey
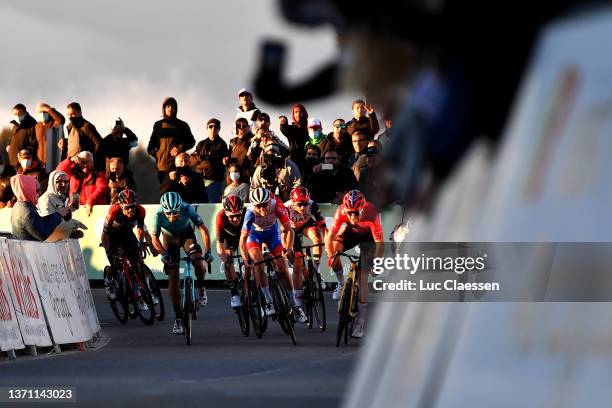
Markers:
point(118, 233)
point(356, 221)
point(228, 225)
point(306, 219)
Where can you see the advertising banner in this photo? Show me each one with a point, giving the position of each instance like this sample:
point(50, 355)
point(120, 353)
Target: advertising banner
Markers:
point(84, 296)
point(10, 335)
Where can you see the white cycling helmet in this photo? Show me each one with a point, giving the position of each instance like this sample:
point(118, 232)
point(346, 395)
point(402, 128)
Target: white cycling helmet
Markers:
point(259, 196)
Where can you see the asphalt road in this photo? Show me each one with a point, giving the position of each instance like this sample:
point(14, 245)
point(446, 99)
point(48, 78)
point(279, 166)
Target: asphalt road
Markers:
point(146, 365)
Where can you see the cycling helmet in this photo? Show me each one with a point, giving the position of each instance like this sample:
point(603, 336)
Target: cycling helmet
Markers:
point(353, 201)
point(232, 204)
point(171, 202)
point(300, 195)
point(126, 198)
point(259, 196)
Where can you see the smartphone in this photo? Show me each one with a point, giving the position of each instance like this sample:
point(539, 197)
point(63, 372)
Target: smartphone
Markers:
point(327, 166)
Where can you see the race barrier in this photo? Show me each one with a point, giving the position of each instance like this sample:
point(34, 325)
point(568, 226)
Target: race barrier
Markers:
point(95, 259)
point(45, 298)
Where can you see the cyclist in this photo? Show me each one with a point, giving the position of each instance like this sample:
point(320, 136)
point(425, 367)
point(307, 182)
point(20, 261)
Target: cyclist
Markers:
point(118, 233)
point(260, 227)
point(306, 219)
point(356, 221)
point(176, 221)
point(228, 224)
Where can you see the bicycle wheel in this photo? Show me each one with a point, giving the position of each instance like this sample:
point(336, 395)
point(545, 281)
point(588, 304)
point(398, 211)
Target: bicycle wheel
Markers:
point(146, 316)
point(256, 312)
point(187, 308)
point(157, 298)
point(119, 306)
point(344, 312)
point(283, 309)
point(317, 300)
point(243, 314)
point(308, 302)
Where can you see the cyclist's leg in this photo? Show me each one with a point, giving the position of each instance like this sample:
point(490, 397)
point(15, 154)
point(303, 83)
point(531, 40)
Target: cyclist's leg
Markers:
point(190, 246)
point(172, 270)
point(254, 242)
point(314, 233)
point(273, 240)
point(299, 270)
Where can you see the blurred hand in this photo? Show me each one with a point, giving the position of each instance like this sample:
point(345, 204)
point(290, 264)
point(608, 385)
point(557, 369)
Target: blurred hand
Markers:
point(225, 160)
point(2, 204)
point(64, 211)
point(369, 109)
point(317, 168)
point(88, 209)
point(184, 180)
point(174, 151)
point(60, 144)
point(172, 175)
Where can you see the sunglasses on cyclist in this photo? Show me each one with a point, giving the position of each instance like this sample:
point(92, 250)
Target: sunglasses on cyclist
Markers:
point(261, 205)
point(301, 204)
point(128, 207)
point(353, 213)
point(172, 213)
point(234, 216)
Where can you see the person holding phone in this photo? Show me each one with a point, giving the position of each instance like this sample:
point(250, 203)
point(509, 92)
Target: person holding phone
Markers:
point(119, 178)
point(330, 180)
point(118, 143)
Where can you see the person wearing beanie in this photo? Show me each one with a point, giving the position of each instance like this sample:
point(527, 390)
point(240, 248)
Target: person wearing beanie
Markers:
point(170, 137)
point(208, 159)
point(296, 133)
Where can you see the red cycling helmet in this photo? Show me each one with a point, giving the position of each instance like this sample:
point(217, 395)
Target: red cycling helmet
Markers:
point(354, 201)
point(232, 204)
point(300, 195)
point(126, 198)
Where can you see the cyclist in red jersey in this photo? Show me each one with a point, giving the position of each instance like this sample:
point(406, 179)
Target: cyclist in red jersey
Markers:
point(356, 221)
point(228, 226)
point(306, 220)
point(118, 232)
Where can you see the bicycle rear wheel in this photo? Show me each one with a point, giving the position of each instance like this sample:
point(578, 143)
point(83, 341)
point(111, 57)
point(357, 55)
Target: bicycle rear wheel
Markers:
point(242, 312)
point(146, 316)
point(157, 298)
point(188, 308)
point(283, 309)
point(344, 313)
point(316, 298)
point(256, 311)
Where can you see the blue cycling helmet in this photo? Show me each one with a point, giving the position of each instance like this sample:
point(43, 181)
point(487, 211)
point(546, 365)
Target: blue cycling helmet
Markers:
point(171, 202)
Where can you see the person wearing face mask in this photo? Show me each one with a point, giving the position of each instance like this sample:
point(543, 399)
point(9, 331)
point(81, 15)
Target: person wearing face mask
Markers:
point(315, 133)
point(7, 198)
point(239, 145)
point(119, 178)
point(30, 166)
point(277, 173)
point(48, 127)
point(116, 145)
point(313, 157)
point(83, 136)
point(55, 198)
point(23, 133)
point(296, 133)
point(88, 186)
point(236, 185)
point(364, 119)
point(26, 223)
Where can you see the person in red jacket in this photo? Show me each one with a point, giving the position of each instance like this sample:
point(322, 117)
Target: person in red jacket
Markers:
point(88, 186)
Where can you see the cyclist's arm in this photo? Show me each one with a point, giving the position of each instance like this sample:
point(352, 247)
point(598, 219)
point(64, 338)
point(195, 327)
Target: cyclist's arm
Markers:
point(205, 237)
point(243, 246)
point(331, 235)
point(288, 236)
point(105, 241)
point(159, 247)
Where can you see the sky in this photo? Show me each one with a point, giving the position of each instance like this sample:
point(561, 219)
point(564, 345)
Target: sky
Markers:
point(122, 58)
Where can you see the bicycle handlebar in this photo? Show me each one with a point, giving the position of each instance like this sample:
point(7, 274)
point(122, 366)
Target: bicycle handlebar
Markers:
point(272, 258)
point(353, 258)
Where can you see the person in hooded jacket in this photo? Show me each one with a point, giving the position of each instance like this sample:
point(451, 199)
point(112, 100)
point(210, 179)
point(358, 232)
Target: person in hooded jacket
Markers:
point(239, 145)
point(49, 126)
point(296, 133)
point(23, 133)
point(55, 198)
point(26, 223)
point(170, 137)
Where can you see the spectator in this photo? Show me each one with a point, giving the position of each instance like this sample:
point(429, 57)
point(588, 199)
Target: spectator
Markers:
point(315, 133)
point(115, 145)
point(330, 180)
point(119, 178)
point(361, 161)
point(360, 144)
point(296, 133)
point(276, 173)
point(49, 127)
point(88, 186)
point(7, 198)
point(170, 137)
point(83, 136)
point(30, 166)
point(26, 223)
point(383, 138)
point(55, 198)
point(368, 124)
point(208, 160)
point(236, 184)
point(339, 141)
point(367, 180)
point(194, 189)
point(23, 134)
point(313, 157)
point(261, 139)
point(239, 145)
point(247, 108)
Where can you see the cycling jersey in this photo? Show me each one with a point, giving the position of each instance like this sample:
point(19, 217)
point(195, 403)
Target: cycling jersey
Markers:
point(117, 222)
point(369, 223)
point(311, 217)
point(187, 220)
point(227, 232)
point(265, 229)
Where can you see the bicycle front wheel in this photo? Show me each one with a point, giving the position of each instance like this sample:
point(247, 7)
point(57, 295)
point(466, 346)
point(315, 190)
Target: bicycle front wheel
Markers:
point(188, 308)
point(156, 295)
point(283, 309)
point(344, 313)
point(119, 305)
point(317, 300)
